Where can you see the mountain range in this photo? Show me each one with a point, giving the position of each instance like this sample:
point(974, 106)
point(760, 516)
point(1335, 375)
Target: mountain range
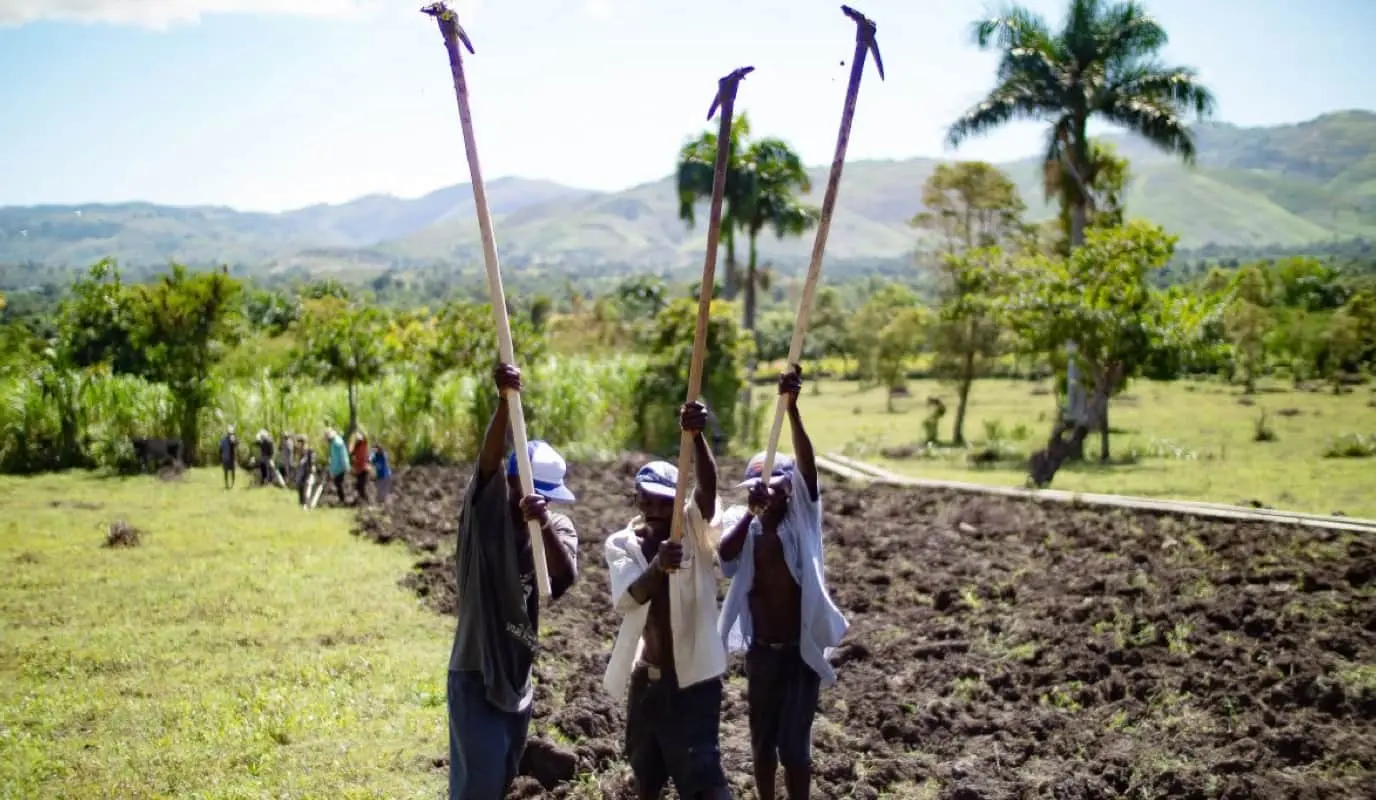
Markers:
point(1284, 185)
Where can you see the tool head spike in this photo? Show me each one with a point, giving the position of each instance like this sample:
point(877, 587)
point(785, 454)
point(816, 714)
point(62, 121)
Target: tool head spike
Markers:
point(726, 87)
point(865, 29)
point(449, 23)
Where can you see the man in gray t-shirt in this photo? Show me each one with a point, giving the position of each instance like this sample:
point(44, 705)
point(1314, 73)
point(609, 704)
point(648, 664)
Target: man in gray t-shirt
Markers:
point(495, 641)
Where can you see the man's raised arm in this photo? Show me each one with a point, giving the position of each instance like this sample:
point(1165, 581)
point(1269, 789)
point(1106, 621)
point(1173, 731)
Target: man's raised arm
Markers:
point(790, 385)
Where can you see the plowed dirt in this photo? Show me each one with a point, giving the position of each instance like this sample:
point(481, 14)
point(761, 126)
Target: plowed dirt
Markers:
point(999, 649)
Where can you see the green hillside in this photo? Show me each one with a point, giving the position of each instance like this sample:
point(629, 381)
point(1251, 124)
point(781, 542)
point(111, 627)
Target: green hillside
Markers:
point(1286, 186)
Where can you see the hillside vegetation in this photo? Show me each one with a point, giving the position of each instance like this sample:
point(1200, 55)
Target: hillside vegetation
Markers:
point(1284, 186)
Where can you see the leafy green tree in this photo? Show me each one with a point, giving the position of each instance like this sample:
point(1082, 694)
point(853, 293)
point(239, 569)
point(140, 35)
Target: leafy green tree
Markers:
point(273, 311)
point(1102, 298)
point(866, 326)
point(184, 323)
point(1343, 341)
point(966, 335)
point(663, 385)
point(95, 322)
point(970, 204)
point(342, 343)
point(1361, 307)
point(974, 208)
point(697, 161)
point(641, 297)
point(1248, 325)
point(827, 336)
point(899, 340)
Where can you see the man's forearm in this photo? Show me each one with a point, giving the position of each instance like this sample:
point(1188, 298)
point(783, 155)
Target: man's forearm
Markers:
point(494, 443)
point(644, 587)
point(802, 449)
point(734, 540)
point(561, 565)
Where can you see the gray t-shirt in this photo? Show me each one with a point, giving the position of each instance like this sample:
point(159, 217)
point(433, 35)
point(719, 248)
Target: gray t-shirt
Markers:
point(498, 604)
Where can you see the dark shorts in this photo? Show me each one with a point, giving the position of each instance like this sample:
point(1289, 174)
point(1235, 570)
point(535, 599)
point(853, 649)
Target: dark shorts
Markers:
point(783, 691)
point(671, 733)
point(485, 743)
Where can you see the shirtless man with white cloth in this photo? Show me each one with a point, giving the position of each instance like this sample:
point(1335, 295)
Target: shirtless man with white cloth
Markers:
point(668, 652)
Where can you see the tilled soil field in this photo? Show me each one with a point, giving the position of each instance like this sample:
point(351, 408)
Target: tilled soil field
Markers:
point(999, 649)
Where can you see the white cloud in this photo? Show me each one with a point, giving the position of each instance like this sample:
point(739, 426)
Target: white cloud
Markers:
point(601, 9)
point(160, 14)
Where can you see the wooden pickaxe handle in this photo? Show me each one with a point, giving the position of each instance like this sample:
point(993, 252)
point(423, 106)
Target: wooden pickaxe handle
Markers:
point(865, 44)
point(725, 100)
point(453, 35)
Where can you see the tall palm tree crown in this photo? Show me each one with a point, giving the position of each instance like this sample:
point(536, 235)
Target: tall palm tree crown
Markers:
point(697, 162)
point(1102, 62)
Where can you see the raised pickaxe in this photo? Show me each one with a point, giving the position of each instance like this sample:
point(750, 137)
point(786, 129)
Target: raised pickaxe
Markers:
point(864, 44)
point(726, 101)
point(453, 34)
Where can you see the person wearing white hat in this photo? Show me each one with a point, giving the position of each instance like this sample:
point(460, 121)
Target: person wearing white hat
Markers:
point(489, 689)
point(667, 662)
point(777, 608)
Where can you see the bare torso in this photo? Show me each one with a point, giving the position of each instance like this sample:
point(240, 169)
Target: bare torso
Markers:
point(775, 598)
point(658, 635)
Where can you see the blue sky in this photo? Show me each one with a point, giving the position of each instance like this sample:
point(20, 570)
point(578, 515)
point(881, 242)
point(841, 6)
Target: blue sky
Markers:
point(220, 101)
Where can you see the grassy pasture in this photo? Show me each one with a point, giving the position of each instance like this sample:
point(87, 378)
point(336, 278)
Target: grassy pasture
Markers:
point(245, 649)
point(1185, 440)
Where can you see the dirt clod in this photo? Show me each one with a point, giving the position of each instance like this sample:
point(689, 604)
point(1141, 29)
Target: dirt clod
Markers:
point(122, 534)
point(999, 648)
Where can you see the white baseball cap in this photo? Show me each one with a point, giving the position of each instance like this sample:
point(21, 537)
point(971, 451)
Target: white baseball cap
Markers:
point(547, 470)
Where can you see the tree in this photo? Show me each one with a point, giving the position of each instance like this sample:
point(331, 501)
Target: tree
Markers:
point(95, 323)
point(974, 207)
point(342, 343)
point(1103, 62)
point(663, 385)
point(966, 334)
point(772, 177)
point(970, 204)
point(1343, 341)
point(826, 331)
point(184, 324)
point(697, 163)
point(1248, 325)
point(1106, 180)
point(867, 325)
point(1102, 298)
point(900, 339)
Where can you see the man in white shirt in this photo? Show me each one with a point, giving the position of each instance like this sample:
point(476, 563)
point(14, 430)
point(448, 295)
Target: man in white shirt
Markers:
point(668, 660)
point(778, 608)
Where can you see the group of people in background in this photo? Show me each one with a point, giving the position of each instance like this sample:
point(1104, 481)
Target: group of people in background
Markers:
point(294, 464)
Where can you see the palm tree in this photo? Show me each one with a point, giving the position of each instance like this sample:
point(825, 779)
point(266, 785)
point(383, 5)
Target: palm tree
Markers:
point(1106, 177)
point(773, 176)
point(1102, 63)
point(697, 162)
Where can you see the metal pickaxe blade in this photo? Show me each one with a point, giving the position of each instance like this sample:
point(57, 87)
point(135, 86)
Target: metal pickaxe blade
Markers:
point(449, 23)
point(726, 87)
point(864, 34)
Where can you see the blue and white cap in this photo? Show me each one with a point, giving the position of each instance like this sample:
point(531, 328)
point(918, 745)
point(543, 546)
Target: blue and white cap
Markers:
point(783, 465)
point(658, 478)
point(547, 469)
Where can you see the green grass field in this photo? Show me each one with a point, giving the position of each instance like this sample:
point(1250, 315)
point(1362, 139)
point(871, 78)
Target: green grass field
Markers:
point(1182, 440)
point(246, 649)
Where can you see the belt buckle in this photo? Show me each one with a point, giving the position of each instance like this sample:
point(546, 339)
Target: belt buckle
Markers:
point(653, 673)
